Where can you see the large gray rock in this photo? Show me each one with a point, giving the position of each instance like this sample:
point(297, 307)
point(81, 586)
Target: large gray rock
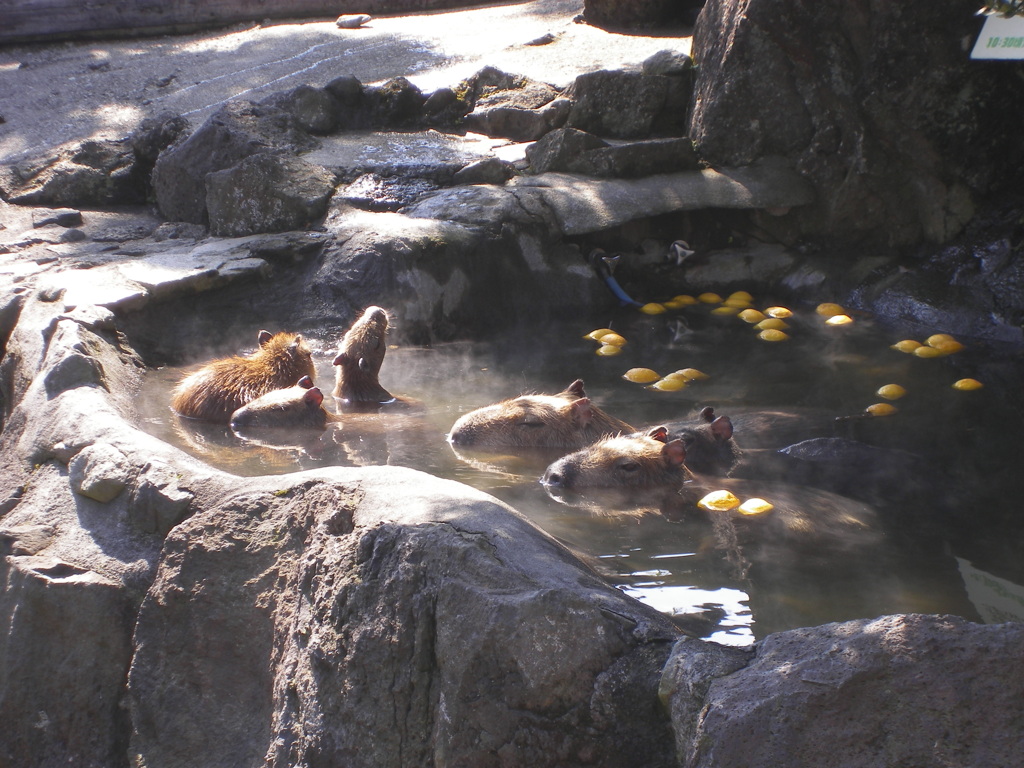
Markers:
point(266, 193)
point(574, 151)
point(382, 617)
point(236, 131)
point(629, 105)
point(93, 173)
point(900, 139)
point(899, 690)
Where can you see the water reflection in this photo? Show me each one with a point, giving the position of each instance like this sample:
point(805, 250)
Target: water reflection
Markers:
point(817, 557)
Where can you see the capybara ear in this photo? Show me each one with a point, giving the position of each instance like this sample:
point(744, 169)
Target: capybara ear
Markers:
point(659, 433)
point(305, 382)
point(707, 413)
point(582, 411)
point(674, 453)
point(721, 428)
point(296, 342)
point(575, 389)
point(313, 396)
point(340, 358)
point(264, 337)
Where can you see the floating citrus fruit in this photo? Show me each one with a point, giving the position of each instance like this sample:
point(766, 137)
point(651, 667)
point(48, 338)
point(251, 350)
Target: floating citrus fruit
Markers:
point(641, 375)
point(756, 506)
point(709, 298)
point(947, 346)
point(924, 351)
point(608, 350)
point(738, 303)
point(595, 335)
point(671, 383)
point(653, 308)
point(967, 385)
point(740, 296)
point(938, 339)
point(907, 345)
point(772, 324)
point(772, 335)
point(839, 320)
point(691, 374)
point(725, 310)
point(719, 501)
point(684, 299)
point(881, 409)
point(613, 339)
point(891, 391)
point(828, 309)
point(779, 312)
point(751, 316)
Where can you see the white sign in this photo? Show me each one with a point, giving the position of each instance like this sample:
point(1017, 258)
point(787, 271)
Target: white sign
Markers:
point(1000, 38)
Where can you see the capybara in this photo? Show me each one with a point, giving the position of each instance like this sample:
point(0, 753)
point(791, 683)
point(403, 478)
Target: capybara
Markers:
point(221, 387)
point(639, 460)
point(300, 405)
point(360, 355)
point(566, 420)
point(710, 447)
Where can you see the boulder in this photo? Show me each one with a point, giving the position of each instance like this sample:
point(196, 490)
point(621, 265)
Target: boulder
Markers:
point(90, 174)
point(898, 690)
point(314, 109)
point(382, 617)
point(575, 151)
point(395, 104)
point(236, 131)
point(266, 193)
point(900, 140)
point(629, 105)
point(491, 170)
point(562, 150)
point(640, 14)
point(382, 193)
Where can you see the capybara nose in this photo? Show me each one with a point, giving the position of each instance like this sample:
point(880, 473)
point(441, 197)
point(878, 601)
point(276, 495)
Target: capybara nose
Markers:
point(552, 477)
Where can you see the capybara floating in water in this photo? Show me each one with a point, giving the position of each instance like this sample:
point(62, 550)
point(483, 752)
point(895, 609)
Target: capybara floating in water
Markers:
point(566, 420)
point(639, 460)
point(297, 406)
point(361, 353)
point(221, 387)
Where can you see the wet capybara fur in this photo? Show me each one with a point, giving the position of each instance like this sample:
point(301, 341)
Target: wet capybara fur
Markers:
point(360, 355)
point(710, 447)
point(566, 420)
point(298, 406)
point(221, 387)
point(639, 460)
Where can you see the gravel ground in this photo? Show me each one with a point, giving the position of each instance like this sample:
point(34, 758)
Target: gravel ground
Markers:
point(51, 94)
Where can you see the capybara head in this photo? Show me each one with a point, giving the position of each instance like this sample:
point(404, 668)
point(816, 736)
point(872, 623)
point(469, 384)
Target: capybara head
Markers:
point(298, 406)
point(359, 358)
point(566, 420)
point(223, 386)
point(641, 460)
point(710, 447)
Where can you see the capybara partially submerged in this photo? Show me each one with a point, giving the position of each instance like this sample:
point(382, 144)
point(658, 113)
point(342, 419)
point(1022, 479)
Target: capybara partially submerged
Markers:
point(566, 420)
point(221, 387)
point(710, 447)
point(639, 460)
point(298, 406)
point(359, 358)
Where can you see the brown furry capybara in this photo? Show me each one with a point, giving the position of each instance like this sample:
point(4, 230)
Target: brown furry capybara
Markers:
point(566, 420)
point(639, 460)
point(359, 358)
point(710, 447)
point(221, 387)
point(297, 406)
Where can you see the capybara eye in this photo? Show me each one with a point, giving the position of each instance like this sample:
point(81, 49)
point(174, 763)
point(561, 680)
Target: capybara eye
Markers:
point(629, 466)
point(531, 423)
